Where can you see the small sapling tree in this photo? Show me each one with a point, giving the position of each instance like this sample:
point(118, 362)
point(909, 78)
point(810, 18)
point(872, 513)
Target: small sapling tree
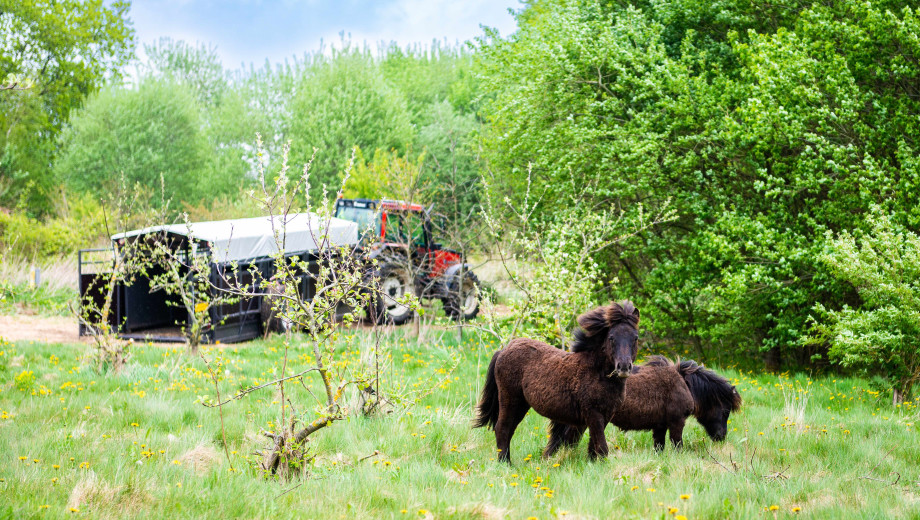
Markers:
point(126, 261)
point(183, 273)
point(551, 263)
point(315, 395)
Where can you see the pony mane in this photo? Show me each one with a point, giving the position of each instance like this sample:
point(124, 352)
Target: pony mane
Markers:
point(708, 388)
point(594, 325)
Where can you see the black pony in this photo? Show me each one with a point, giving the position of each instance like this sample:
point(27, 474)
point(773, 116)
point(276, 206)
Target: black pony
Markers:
point(581, 387)
point(659, 396)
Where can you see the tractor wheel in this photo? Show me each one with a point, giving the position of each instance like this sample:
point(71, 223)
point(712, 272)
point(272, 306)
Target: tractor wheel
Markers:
point(463, 301)
point(384, 308)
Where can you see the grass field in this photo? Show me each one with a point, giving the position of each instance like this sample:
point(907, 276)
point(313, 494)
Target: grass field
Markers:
point(80, 444)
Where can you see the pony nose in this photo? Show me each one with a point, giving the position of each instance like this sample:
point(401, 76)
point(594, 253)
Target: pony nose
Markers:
point(624, 367)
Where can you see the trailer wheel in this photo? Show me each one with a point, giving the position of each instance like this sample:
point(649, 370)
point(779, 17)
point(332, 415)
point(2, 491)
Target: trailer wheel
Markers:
point(383, 308)
point(462, 300)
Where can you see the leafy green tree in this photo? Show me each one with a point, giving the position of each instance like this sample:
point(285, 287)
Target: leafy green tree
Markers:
point(451, 173)
point(229, 113)
point(340, 103)
point(765, 128)
point(883, 335)
point(143, 133)
point(65, 49)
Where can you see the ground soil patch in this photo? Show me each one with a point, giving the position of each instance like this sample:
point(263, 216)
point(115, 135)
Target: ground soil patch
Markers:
point(46, 329)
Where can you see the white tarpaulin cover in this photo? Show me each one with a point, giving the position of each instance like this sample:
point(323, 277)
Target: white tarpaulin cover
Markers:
point(246, 238)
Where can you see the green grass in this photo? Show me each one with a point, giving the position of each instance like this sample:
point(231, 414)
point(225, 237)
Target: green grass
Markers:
point(431, 463)
point(42, 300)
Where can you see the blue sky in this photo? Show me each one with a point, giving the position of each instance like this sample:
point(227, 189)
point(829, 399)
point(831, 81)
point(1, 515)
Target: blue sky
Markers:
point(249, 31)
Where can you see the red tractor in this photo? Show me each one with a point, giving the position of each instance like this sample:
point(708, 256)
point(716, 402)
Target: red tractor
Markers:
point(399, 236)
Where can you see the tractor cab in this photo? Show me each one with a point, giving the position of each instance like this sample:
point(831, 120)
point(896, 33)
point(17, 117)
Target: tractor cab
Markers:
point(399, 235)
point(388, 221)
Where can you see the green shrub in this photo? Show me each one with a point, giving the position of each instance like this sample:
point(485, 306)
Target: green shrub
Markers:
point(81, 223)
point(882, 334)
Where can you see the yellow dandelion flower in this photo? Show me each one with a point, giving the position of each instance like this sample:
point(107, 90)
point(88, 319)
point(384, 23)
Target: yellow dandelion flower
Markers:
point(672, 510)
point(74, 509)
point(796, 509)
point(685, 497)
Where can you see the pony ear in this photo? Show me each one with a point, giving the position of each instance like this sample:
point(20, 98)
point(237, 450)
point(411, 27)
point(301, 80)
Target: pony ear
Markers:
point(636, 314)
point(593, 321)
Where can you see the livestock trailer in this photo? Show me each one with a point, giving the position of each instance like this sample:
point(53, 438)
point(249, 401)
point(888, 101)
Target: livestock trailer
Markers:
point(240, 250)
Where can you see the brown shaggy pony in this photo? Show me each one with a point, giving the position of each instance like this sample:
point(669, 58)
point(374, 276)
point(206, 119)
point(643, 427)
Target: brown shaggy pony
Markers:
point(577, 387)
point(659, 396)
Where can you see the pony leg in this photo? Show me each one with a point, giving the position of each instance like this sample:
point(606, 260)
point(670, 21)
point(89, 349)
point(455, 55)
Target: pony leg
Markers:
point(658, 436)
point(510, 416)
point(597, 446)
point(676, 431)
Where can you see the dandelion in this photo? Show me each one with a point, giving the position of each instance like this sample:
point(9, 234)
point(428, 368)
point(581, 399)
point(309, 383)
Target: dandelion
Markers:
point(23, 457)
point(56, 466)
point(650, 490)
point(774, 507)
point(685, 497)
point(84, 465)
point(74, 509)
point(796, 509)
point(403, 511)
point(178, 484)
point(672, 510)
point(680, 517)
point(634, 488)
point(422, 512)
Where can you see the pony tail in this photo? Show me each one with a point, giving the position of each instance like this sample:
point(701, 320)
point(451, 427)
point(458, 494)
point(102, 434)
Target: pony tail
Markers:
point(487, 410)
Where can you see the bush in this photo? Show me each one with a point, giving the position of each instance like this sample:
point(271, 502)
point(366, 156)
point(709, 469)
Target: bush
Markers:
point(150, 134)
point(883, 334)
point(79, 223)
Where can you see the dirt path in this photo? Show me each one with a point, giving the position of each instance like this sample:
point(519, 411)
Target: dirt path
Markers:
point(46, 329)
